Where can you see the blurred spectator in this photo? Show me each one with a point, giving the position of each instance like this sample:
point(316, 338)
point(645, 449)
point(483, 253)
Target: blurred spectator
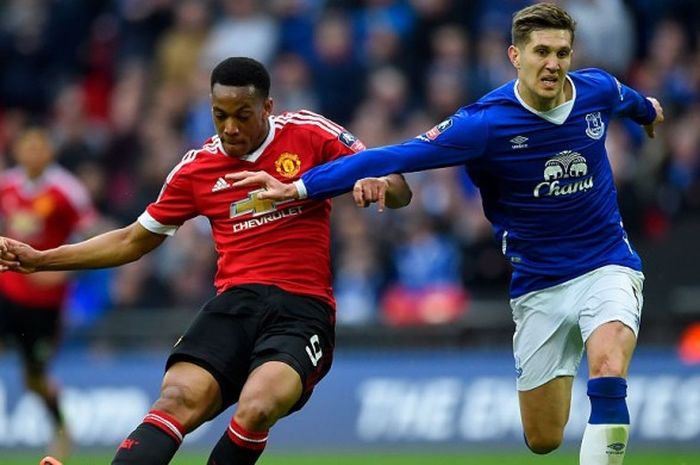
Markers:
point(125, 89)
point(45, 206)
point(244, 29)
point(601, 23)
point(428, 287)
point(179, 48)
point(338, 75)
point(292, 89)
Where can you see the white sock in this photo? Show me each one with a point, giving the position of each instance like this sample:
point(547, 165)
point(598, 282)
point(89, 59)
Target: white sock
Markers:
point(604, 444)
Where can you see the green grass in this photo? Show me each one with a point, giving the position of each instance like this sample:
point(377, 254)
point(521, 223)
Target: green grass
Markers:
point(512, 458)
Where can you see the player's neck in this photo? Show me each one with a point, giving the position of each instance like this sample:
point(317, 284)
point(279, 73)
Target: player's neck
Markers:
point(544, 105)
point(262, 138)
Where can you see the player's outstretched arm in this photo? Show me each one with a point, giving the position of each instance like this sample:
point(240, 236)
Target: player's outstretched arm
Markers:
point(650, 128)
point(391, 191)
point(274, 189)
point(112, 248)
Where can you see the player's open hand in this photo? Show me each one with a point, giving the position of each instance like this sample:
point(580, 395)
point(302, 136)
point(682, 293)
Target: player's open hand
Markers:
point(17, 256)
point(370, 190)
point(650, 128)
point(274, 189)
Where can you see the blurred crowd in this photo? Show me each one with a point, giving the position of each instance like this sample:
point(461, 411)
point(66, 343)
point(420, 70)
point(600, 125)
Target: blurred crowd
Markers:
point(123, 87)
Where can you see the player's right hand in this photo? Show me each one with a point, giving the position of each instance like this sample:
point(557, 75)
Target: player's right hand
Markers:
point(274, 189)
point(17, 256)
point(370, 190)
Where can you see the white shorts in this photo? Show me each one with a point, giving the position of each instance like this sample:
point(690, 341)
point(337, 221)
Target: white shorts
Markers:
point(552, 324)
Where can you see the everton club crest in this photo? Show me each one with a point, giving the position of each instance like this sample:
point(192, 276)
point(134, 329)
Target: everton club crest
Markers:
point(596, 126)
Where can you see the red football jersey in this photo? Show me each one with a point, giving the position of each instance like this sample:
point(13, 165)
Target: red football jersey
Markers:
point(44, 213)
point(260, 241)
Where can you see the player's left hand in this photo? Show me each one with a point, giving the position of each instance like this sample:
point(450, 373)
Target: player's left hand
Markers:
point(12, 255)
point(650, 128)
point(369, 190)
point(274, 189)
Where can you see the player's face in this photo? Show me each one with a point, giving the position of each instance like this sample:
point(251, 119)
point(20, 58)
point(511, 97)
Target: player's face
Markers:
point(240, 117)
point(542, 64)
point(34, 152)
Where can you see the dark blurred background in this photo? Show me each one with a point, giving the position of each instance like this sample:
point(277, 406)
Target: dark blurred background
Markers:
point(123, 86)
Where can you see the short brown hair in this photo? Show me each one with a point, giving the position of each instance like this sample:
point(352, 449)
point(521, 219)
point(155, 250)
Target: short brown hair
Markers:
point(537, 17)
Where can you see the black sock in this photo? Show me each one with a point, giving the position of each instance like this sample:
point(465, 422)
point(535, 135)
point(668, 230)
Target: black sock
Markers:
point(238, 446)
point(51, 402)
point(153, 442)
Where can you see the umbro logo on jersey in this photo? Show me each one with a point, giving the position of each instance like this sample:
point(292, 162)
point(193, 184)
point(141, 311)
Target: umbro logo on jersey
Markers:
point(220, 184)
point(519, 142)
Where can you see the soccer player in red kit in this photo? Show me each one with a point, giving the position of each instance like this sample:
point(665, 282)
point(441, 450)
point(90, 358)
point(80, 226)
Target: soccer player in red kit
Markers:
point(267, 338)
point(43, 205)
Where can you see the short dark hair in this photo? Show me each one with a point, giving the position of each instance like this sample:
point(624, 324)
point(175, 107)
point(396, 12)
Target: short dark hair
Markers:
point(537, 17)
point(242, 71)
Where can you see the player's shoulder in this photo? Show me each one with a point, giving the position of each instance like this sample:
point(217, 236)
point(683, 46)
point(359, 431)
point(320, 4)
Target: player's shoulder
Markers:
point(67, 184)
point(591, 76)
point(11, 176)
point(491, 105)
point(209, 150)
point(502, 95)
point(306, 121)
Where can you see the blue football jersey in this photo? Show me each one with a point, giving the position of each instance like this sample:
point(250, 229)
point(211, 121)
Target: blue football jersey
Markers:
point(545, 179)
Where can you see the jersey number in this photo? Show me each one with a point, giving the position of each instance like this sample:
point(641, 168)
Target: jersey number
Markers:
point(315, 352)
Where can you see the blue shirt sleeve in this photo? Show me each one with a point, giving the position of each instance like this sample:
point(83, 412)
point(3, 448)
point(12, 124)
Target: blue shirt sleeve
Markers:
point(457, 139)
point(628, 103)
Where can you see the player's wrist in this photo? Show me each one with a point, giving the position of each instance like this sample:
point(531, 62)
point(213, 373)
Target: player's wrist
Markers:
point(296, 190)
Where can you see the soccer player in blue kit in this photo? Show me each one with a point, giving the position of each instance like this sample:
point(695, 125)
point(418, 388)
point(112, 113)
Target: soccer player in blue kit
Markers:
point(535, 147)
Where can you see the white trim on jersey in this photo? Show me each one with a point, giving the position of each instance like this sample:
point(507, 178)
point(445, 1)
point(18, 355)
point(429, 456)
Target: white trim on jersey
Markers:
point(556, 115)
point(300, 119)
point(323, 118)
point(153, 225)
point(187, 158)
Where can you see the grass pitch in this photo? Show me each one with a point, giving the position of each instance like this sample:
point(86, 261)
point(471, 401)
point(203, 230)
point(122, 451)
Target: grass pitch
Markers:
point(511, 458)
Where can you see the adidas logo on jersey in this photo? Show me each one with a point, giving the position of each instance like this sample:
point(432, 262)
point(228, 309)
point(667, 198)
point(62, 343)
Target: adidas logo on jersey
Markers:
point(220, 184)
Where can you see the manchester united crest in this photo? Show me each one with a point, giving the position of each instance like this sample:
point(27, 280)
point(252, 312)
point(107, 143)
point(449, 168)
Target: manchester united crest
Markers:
point(288, 164)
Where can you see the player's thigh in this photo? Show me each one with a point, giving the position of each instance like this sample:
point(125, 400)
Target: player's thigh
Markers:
point(299, 331)
point(272, 390)
point(547, 343)
point(37, 331)
point(190, 393)
point(544, 410)
point(609, 349)
point(221, 340)
point(610, 320)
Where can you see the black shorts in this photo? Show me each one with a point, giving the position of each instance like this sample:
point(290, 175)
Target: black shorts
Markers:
point(35, 330)
point(248, 325)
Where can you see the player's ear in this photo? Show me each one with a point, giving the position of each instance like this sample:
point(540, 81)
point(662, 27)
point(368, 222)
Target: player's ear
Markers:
point(267, 106)
point(514, 56)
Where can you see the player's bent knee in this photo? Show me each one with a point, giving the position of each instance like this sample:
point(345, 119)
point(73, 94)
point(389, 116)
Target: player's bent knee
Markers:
point(184, 404)
point(542, 444)
point(257, 415)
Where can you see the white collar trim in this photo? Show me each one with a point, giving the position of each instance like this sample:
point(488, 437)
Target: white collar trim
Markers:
point(557, 115)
